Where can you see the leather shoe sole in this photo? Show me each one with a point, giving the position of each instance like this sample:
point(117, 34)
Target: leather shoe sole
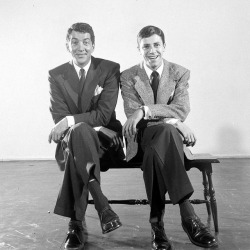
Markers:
point(111, 226)
point(212, 244)
point(109, 220)
point(162, 248)
point(160, 240)
point(77, 236)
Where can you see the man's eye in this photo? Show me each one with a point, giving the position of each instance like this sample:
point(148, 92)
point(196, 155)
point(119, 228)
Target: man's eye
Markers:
point(86, 43)
point(74, 42)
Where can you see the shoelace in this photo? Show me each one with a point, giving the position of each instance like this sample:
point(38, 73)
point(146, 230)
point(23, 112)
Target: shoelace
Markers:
point(199, 227)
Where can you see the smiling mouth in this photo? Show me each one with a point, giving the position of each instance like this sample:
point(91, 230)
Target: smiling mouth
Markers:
point(152, 57)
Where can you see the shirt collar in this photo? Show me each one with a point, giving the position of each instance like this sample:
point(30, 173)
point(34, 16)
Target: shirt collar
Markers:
point(149, 71)
point(86, 68)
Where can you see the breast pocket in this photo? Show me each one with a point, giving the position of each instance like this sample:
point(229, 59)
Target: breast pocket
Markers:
point(171, 97)
point(94, 102)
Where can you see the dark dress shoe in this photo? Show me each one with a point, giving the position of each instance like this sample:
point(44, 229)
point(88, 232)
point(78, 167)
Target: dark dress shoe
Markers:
point(159, 238)
point(75, 237)
point(109, 220)
point(198, 233)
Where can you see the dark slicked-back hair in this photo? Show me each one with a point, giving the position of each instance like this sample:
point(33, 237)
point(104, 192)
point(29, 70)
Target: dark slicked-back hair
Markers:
point(149, 31)
point(81, 27)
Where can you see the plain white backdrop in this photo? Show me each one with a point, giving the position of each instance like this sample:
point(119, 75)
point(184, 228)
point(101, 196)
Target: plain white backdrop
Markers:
point(211, 38)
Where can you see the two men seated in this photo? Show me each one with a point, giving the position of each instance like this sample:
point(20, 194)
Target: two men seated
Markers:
point(83, 94)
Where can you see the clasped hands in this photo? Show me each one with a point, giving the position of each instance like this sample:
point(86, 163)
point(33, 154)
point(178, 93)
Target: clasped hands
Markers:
point(129, 128)
point(113, 137)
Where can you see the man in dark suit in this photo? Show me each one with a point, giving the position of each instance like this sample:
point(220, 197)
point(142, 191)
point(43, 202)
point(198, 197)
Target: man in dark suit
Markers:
point(83, 95)
point(156, 103)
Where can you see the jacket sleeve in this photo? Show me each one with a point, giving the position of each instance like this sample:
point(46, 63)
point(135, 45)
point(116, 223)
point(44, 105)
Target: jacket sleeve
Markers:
point(58, 106)
point(131, 99)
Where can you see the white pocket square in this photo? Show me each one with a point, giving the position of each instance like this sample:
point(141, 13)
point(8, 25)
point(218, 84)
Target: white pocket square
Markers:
point(171, 97)
point(172, 94)
point(98, 90)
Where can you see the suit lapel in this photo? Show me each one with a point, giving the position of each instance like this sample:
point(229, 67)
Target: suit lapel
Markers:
point(92, 80)
point(166, 85)
point(143, 86)
point(165, 89)
point(70, 83)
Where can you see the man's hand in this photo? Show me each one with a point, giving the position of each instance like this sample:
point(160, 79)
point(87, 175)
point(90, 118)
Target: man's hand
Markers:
point(112, 136)
point(129, 128)
point(57, 131)
point(187, 133)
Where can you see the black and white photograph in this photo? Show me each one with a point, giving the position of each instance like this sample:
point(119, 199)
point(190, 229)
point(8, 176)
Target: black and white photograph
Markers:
point(124, 125)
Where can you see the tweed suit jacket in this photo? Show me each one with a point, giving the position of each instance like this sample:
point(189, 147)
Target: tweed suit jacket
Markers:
point(97, 109)
point(172, 96)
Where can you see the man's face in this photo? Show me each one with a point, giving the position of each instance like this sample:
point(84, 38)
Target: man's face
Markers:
point(80, 46)
point(152, 49)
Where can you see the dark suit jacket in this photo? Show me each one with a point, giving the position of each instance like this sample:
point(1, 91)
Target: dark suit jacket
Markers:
point(172, 96)
point(97, 109)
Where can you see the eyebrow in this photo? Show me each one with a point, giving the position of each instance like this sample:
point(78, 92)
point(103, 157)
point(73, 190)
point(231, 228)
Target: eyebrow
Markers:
point(74, 38)
point(147, 44)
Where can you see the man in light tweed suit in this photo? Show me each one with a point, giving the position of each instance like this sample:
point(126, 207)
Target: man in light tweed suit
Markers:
point(156, 103)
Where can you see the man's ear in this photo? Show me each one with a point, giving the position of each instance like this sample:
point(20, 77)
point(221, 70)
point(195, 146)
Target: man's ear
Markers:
point(139, 49)
point(67, 46)
point(164, 46)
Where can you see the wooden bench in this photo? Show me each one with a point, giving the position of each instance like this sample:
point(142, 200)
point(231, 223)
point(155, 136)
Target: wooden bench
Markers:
point(203, 162)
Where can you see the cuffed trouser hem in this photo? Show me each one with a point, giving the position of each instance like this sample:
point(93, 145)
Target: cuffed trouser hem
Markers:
point(69, 213)
point(66, 213)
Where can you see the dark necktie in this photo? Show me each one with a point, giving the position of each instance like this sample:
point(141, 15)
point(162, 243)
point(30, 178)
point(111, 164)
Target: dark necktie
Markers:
point(155, 83)
point(81, 83)
point(82, 80)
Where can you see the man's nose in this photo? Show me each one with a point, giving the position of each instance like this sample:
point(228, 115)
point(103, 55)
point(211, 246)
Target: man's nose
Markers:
point(81, 46)
point(152, 49)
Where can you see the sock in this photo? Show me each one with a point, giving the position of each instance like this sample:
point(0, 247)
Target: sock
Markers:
point(186, 209)
point(99, 198)
point(74, 220)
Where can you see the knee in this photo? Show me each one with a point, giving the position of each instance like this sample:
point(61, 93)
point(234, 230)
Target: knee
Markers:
point(166, 130)
point(80, 129)
point(166, 133)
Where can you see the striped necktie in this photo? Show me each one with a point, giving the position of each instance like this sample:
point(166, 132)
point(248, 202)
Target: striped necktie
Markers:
point(155, 83)
point(82, 80)
point(81, 83)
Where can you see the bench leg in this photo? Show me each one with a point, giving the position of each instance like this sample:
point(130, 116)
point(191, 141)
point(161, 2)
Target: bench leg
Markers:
point(213, 200)
point(206, 192)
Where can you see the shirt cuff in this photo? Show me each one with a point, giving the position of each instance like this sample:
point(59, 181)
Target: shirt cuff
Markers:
point(172, 121)
point(97, 128)
point(71, 120)
point(147, 112)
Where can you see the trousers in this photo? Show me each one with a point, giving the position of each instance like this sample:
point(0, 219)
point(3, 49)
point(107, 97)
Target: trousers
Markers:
point(82, 150)
point(163, 167)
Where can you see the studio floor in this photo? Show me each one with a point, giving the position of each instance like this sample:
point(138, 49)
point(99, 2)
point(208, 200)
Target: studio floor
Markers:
point(29, 190)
